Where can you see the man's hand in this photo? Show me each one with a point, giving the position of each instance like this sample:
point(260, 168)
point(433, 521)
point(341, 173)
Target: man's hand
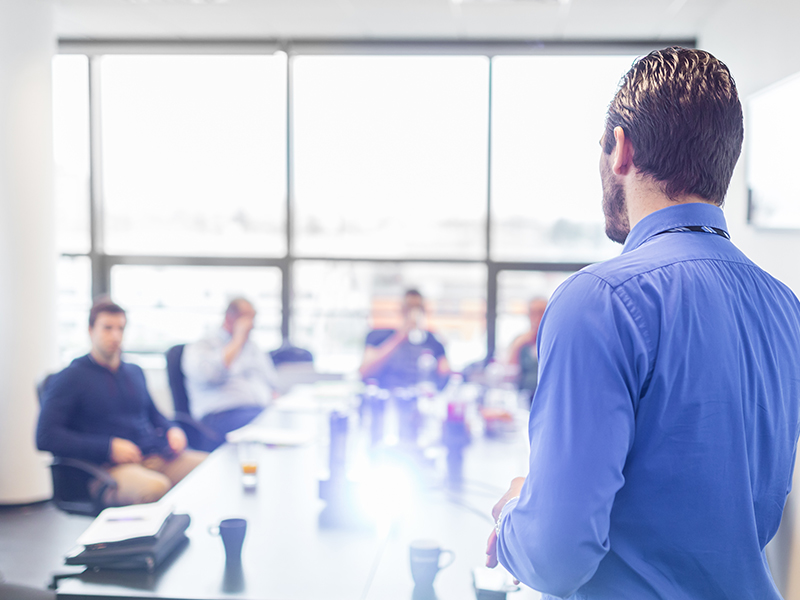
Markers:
point(240, 331)
point(176, 439)
point(124, 451)
point(513, 492)
point(242, 327)
point(491, 544)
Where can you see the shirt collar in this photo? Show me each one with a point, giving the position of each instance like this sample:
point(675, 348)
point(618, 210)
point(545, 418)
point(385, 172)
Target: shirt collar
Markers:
point(680, 215)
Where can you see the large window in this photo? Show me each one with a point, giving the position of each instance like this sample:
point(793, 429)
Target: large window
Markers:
point(194, 155)
point(390, 156)
point(322, 186)
point(547, 119)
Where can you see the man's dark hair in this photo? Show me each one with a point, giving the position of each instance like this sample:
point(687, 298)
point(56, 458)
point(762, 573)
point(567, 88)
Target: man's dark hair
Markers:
point(104, 305)
point(412, 292)
point(681, 111)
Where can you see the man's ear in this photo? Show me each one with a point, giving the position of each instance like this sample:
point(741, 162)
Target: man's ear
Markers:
point(622, 154)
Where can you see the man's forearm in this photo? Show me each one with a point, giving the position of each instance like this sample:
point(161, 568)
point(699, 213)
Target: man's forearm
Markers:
point(231, 351)
point(374, 360)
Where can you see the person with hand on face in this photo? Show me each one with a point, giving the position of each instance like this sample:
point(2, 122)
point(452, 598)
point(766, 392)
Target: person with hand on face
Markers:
point(392, 356)
point(98, 409)
point(665, 424)
point(229, 379)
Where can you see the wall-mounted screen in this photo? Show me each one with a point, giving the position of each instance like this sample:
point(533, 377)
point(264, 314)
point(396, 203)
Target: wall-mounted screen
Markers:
point(772, 130)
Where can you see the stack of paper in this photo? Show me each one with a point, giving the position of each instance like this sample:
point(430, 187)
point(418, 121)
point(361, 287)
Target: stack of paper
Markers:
point(126, 523)
point(270, 437)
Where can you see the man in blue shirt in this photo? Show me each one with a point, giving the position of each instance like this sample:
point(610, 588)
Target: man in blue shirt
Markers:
point(98, 409)
point(664, 427)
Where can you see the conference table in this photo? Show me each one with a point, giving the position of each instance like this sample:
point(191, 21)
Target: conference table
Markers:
point(289, 552)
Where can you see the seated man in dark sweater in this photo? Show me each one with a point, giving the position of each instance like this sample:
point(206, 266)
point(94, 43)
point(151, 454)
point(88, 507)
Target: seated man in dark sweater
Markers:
point(98, 409)
point(393, 356)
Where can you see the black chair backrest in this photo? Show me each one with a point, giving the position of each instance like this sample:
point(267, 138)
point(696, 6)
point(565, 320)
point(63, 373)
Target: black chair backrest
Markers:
point(41, 387)
point(177, 380)
point(290, 354)
point(71, 477)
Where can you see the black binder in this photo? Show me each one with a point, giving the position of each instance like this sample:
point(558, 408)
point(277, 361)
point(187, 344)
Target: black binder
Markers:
point(140, 553)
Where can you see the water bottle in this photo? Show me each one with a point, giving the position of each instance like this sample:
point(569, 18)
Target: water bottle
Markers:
point(426, 374)
point(455, 433)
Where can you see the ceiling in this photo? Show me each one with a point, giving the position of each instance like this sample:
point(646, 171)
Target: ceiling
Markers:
point(616, 20)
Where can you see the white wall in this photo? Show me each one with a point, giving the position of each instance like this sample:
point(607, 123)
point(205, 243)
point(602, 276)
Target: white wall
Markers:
point(757, 39)
point(27, 247)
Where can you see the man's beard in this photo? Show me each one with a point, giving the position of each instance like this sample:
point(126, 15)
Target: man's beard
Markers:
point(615, 208)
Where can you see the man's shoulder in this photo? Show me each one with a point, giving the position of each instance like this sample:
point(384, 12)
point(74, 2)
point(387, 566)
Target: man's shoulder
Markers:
point(77, 369)
point(131, 368)
point(377, 336)
point(71, 378)
point(664, 251)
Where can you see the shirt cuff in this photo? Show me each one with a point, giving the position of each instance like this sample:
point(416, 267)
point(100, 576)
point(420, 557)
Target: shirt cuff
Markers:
point(509, 506)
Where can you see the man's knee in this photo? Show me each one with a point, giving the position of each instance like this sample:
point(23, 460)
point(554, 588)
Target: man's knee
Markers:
point(180, 466)
point(154, 489)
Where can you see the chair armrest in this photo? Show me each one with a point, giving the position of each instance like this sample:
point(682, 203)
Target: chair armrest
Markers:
point(90, 469)
point(98, 497)
point(192, 425)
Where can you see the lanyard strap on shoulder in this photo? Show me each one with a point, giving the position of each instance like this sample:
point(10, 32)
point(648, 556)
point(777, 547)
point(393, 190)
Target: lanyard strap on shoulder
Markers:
point(699, 229)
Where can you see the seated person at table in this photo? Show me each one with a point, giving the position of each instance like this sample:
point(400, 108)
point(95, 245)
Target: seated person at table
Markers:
point(98, 409)
point(392, 356)
point(522, 352)
point(229, 380)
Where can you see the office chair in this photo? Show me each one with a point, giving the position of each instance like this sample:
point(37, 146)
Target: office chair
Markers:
point(289, 353)
point(199, 436)
point(72, 477)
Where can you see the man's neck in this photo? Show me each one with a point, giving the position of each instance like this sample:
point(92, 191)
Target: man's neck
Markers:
point(645, 196)
point(111, 363)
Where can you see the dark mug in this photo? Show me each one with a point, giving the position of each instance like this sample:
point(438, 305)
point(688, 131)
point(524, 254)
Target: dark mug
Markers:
point(232, 533)
point(425, 561)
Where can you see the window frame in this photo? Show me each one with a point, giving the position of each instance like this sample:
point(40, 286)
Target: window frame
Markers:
point(102, 262)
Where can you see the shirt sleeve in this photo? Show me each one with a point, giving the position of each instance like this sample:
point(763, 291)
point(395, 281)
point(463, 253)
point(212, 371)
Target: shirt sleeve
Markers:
point(61, 401)
point(203, 363)
point(376, 337)
point(436, 346)
point(593, 361)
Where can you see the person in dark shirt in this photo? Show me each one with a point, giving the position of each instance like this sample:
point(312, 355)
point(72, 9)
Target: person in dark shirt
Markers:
point(98, 409)
point(393, 356)
point(523, 354)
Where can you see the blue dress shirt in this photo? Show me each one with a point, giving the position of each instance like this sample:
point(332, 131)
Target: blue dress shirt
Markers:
point(664, 427)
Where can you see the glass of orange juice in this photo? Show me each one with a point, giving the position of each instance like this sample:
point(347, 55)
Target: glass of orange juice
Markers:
point(248, 461)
